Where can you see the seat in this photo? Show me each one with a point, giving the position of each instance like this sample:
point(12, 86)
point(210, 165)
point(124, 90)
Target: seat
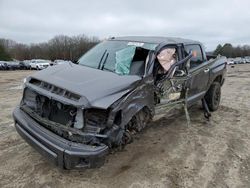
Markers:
point(137, 68)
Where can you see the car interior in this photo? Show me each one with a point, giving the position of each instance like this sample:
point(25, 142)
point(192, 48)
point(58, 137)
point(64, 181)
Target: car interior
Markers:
point(138, 63)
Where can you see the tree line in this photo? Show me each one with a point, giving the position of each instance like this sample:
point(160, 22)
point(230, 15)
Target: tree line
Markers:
point(72, 48)
point(59, 47)
point(229, 50)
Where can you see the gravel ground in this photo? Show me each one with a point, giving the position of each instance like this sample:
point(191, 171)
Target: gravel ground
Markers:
point(166, 154)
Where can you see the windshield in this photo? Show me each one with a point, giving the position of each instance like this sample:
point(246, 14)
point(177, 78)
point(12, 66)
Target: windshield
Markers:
point(121, 57)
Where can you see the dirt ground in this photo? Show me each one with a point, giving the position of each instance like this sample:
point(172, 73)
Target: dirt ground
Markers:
point(166, 154)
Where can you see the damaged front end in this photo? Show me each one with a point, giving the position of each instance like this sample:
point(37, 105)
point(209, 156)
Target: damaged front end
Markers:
point(72, 120)
point(72, 123)
point(81, 132)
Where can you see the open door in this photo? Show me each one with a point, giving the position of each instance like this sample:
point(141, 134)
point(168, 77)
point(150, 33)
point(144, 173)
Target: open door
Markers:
point(171, 75)
point(172, 83)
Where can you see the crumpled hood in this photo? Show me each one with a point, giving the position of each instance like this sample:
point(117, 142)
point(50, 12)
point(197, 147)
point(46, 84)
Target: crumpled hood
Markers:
point(93, 84)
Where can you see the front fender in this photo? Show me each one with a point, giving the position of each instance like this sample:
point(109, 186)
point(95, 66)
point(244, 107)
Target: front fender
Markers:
point(142, 96)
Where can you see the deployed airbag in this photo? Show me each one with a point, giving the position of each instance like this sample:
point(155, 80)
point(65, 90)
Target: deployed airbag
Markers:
point(123, 60)
point(166, 58)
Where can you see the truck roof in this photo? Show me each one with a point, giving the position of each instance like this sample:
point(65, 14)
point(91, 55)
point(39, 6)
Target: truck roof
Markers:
point(155, 40)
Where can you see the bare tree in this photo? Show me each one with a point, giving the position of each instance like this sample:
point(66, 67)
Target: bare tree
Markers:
point(230, 51)
point(59, 47)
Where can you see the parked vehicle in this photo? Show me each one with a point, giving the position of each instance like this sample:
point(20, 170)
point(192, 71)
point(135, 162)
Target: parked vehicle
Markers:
point(247, 59)
point(39, 64)
point(10, 65)
point(2, 67)
point(14, 65)
point(27, 64)
point(243, 61)
point(5, 65)
point(230, 61)
point(22, 65)
point(74, 114)
point(237, 60)
point(60, 62)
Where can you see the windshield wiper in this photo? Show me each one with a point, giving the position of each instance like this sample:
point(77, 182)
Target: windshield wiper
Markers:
point(100, 62)
point(105, 60)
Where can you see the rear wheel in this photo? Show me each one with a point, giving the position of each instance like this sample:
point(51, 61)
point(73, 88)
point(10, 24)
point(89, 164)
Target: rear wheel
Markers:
point(213, 96)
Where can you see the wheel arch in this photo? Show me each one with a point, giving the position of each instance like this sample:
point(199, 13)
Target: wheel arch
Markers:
point(123, 111)
point(123, 117)
point(218, 79)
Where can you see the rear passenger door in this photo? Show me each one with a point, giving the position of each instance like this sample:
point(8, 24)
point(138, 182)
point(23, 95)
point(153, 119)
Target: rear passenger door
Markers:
point(199, 71)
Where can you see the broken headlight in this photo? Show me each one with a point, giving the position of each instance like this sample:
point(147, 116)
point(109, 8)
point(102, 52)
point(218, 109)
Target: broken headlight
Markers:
point(95, 120)
point(79, 120)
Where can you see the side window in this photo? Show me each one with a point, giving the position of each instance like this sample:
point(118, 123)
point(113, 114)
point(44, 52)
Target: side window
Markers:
point(197, 59)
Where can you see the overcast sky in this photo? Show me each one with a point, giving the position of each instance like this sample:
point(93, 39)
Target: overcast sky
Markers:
point(210, 21)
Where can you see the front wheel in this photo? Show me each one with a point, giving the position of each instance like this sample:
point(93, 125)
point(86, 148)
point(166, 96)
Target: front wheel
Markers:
point(137, 123)
point(213, 96)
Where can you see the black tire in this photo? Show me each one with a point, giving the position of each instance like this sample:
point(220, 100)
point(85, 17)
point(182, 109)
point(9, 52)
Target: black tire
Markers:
point(213, 96)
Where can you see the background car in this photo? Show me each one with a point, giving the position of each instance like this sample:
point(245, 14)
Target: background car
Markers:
point(237, 60)
point(25, 65)
point(1, 66)
point(230, 61)
point(14, 65)
point(11, 65)
point(60, 61)
point(247, 59)
point(39, 64)
point(22, 65)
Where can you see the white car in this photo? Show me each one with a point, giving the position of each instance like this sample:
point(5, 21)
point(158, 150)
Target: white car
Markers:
point(39, 64)
point(230, 61)
point(59, 62)
point(247, 60)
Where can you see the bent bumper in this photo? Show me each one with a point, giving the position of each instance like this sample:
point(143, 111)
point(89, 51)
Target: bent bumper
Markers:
point(61, 152)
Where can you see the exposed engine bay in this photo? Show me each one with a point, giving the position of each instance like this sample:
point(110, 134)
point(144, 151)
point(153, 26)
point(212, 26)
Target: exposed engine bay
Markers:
point(72, 123)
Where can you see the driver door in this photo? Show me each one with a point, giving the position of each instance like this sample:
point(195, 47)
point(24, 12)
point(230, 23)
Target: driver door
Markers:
point(169, 84)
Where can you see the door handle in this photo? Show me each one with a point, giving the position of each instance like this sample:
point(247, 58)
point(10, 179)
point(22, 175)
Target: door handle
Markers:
point(206, 70)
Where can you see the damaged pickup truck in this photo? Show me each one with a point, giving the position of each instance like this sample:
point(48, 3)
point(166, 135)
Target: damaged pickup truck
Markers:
point(74, 114)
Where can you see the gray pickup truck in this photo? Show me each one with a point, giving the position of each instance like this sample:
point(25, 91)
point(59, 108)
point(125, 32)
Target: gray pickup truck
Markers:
point(74, 114)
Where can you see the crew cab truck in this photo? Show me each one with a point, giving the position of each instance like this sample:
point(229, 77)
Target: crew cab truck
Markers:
point(74, 114)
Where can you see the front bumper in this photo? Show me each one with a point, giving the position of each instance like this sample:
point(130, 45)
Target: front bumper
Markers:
point(61, 152)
